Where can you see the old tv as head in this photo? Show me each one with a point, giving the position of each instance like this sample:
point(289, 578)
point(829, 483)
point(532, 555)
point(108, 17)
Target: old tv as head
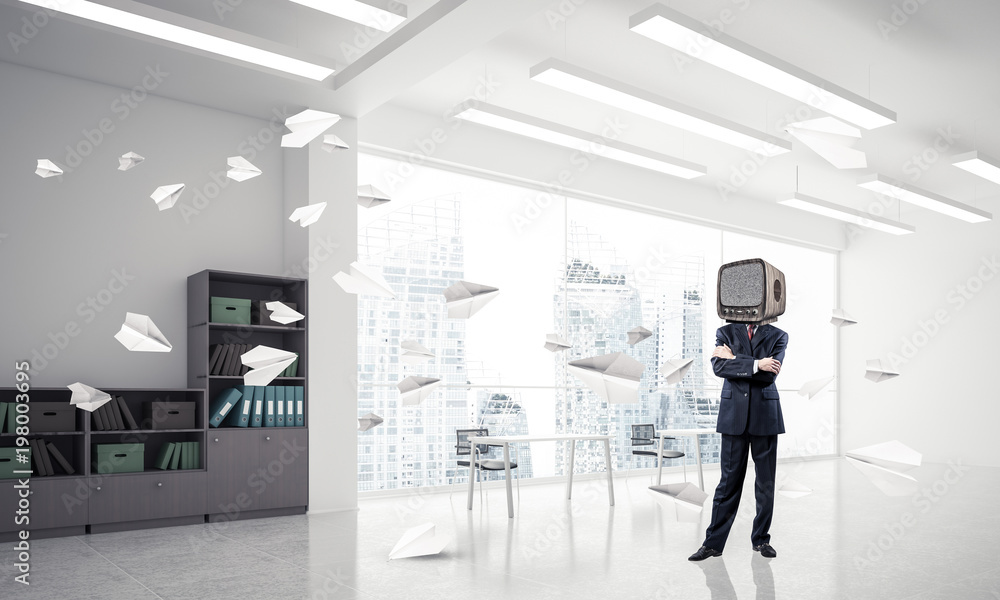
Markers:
point(750, 291)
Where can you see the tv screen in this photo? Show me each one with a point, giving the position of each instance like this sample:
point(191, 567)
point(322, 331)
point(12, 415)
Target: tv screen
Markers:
point(742, 284)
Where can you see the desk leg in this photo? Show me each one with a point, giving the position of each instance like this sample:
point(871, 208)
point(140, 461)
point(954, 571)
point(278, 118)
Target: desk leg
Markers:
point(472, 475)
point(701, 474)
point(659, 462)
point(569, 477)
point(506, 473)
point(607, 463)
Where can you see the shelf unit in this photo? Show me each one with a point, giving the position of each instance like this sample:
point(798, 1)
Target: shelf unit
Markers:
point(90, 502)
point(253, 471)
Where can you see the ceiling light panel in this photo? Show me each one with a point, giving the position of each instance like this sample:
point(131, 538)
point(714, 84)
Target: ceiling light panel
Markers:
point(560, 135)
point(600, 88)
point(902, 191)
point(687, 35)
point(843, 213)
point(386, 17)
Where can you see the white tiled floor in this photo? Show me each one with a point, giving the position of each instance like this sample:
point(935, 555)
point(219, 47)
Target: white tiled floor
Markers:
point(827, 543)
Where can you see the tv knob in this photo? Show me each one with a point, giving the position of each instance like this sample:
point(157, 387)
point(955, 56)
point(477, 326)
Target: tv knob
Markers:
point(755, 311)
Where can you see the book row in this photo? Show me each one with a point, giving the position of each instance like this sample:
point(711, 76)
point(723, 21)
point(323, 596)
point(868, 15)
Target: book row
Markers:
point(259, 406)
point(224, 359)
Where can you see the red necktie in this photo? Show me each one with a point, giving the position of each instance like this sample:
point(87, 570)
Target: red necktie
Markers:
point(750, 332)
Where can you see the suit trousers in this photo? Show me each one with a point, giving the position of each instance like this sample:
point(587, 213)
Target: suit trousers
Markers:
point(735, 449)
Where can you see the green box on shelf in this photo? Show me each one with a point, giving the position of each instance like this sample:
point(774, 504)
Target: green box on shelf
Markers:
point(235, 311)
point(9, 463)
point(119, 458)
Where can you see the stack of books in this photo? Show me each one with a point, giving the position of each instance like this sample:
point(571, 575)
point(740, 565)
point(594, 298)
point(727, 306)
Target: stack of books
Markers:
point(224, 359)
point(114, 416)
point(44, 456)
point(179, 455)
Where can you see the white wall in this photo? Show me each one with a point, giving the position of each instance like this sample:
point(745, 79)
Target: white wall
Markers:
point(917, 302)
point(67, 237)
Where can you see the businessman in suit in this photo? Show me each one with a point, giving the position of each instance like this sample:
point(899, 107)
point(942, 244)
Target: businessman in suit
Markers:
point(749, 358)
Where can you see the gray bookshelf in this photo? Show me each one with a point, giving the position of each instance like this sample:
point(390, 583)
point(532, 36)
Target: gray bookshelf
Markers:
point(242, 472)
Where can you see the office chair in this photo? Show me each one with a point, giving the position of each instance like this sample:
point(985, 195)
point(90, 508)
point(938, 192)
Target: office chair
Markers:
point(464, 448)
point(644, 443)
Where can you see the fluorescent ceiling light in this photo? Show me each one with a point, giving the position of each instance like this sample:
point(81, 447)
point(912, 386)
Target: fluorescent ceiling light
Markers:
point(383, 19)
point(597, 87)
point(979, 164)
point(842, 213)
point(687, 35)
point(560, 135)
point(890, 187)
point(156, 28)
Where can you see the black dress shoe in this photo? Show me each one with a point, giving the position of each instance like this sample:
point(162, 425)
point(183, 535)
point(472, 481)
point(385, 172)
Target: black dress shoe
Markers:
point(703, 553)
point(765, 550)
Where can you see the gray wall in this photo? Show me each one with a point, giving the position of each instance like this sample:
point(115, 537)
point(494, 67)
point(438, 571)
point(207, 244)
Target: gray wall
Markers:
point(71, 239)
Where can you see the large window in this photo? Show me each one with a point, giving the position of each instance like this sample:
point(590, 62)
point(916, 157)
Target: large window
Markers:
point(586, 271)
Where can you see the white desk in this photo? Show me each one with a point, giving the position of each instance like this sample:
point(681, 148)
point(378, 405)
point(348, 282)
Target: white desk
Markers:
point(507, 440)
point(693, 433)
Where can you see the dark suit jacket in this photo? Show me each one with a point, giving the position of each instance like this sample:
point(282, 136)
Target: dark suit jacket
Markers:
point(745, 391)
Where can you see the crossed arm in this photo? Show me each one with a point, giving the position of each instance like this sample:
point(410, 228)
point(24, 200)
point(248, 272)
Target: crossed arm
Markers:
point(729, 366)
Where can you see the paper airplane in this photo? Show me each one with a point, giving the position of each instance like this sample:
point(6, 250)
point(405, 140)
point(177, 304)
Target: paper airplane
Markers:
point(675, 369)
point(686, 499)
point(814, 387)
point(883, 464)
point(128, 160)
point(465, 299)
point(87, 398)
point(414, 390)
point(240, 169)
point(332, 142)
point(283, 314)
point(140, 334)
point(556, 343)
point(842, 319)
point(265, 363)
point(637, 335)
point(369, 196)
point(307, 215)
point(891, 483)
point(306, 126)
point(615, 377)
point(46, 168)
point(369, 421)
point(832, 139)
point(877, 373)
point(363, 280)
point(419, 541)
point(413, 353)
point(793, 489)
point(166, 196)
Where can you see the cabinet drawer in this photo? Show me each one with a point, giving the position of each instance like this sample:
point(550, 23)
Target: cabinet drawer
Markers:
point(118, 498)
point(55, 503)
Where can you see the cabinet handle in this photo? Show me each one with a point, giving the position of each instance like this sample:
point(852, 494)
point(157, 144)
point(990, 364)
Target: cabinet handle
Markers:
point(158, 484)
point(216, 440)
point(98, 488)
point(268, 438)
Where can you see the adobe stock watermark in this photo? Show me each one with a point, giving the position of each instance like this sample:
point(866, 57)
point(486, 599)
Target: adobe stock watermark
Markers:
point(28, 28)
point(958, 297)
point(427, 146)
point(562, 12)
point(581, 160)
point(368, 34)
point(899, 15)
point(698, 43)
point(923, 501)
point(121, 107)
point(202, 197)
point(920, 163)
point(89, 310)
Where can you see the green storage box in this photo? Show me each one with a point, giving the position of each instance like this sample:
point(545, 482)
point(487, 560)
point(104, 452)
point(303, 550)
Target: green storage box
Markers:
point(230, 310)
point(119, 458)
point(9, 464)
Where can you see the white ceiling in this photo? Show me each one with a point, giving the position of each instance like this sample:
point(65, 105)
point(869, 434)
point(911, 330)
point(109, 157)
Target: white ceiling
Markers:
point(937, 72)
